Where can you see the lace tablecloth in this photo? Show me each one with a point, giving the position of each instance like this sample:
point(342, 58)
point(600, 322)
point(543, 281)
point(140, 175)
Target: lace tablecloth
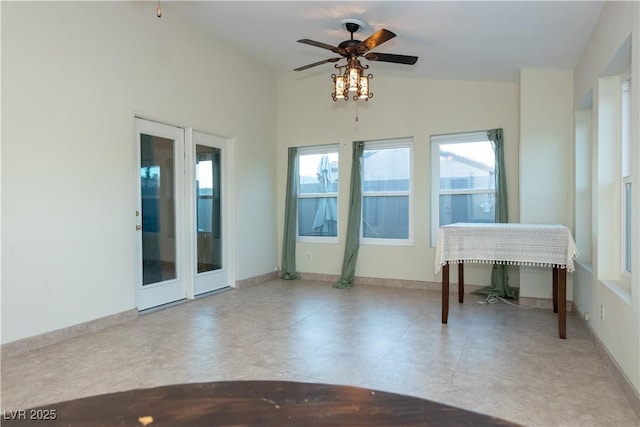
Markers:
point(518, 244)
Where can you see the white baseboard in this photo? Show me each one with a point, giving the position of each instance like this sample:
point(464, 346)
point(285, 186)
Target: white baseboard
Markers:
point(257, 280)
point(48, 338)
point(395, 283)
point(544, 303)
point(38, 341)
point(620, 377)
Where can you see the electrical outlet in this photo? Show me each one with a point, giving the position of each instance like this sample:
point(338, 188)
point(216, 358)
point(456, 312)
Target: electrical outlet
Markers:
point(602, 313)
point(309, 255)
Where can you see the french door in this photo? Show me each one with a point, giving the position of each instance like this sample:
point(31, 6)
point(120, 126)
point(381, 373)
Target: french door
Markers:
point(181, 222)
point(159, 220)
point(208, 199)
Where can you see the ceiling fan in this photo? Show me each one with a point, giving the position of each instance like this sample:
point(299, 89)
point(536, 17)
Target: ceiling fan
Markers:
point(353, 48)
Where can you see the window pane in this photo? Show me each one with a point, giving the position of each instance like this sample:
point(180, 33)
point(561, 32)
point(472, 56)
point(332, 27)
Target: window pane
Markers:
point(627, 226)
point(208, 213)
point(317, 216)
point(467, 166)
point(387, 169)
point(385, 217)
point(466, 208)
point(318, 173)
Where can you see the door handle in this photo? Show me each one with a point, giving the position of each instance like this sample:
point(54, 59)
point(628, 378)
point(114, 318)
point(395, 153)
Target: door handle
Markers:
point(138, 227)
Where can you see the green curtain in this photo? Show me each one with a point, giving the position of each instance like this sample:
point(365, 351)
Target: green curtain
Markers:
point(499, 277)
point(290, 213)
point(497, 142)
point(352, 241)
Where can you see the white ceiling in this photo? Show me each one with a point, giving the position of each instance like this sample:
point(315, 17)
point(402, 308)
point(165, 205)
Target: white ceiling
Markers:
point(454, 40)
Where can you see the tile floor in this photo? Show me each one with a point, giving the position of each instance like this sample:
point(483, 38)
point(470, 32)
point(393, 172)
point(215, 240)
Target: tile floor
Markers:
point(495, 359)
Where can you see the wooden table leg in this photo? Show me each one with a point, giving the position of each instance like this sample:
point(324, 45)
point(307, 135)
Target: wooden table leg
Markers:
point(460, 282)
point(555, 289)
point(562, 302)
point(445, 292)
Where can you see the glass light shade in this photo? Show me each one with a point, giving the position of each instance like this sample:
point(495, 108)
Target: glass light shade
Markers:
point(339, 87)
point(354, 77)
point(363, 90)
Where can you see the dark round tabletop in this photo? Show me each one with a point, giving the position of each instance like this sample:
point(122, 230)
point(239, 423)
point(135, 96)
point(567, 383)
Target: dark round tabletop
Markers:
point(249, 403)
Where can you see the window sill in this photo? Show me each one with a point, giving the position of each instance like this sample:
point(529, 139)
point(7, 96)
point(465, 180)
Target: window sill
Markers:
point(386, 242)
point(330, 240)
point(618, 288)
point(586, 265)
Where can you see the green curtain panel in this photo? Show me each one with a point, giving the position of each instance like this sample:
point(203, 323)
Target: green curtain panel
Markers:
point(290, 212)
point(499, 277)
point(502, 214)
point(352, 243)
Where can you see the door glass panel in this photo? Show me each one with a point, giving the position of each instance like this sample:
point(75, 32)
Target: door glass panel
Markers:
point(208, 208)
point(158, 209)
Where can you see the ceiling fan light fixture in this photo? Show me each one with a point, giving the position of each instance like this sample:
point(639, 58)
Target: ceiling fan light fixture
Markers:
point(363, 88)
point(338, 87)
point(351, 77)
point(354, 79)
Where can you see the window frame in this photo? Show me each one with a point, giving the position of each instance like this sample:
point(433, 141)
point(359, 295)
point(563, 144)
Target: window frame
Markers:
point(310, 150)
point(436, 141)
point(382, 145)
point(626, 235)
point(626, 232)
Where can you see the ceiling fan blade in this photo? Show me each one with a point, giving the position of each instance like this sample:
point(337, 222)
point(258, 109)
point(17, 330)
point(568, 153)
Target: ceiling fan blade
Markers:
point(333, 49)
point(317, 63)
point(389, 57)
point(376, 39)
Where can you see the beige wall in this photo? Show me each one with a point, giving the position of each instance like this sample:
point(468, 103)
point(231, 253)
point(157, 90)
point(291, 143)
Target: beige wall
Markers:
point(620, 330)
point(401, 107)
point(73, 76)
point(546, 163)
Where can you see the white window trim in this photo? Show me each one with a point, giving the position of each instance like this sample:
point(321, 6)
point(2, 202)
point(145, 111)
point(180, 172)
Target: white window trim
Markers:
point(319, 149)
point(626, 275)
point(471, 191)
point(436, 142)
point(625, 126)
point(389, 144)
point(625, 165)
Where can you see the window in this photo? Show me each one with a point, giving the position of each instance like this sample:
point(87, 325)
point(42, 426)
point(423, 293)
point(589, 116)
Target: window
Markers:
point(614, 181)
point(386, 192)
point(318, 193)
point(462, 180)
point(625, 157)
